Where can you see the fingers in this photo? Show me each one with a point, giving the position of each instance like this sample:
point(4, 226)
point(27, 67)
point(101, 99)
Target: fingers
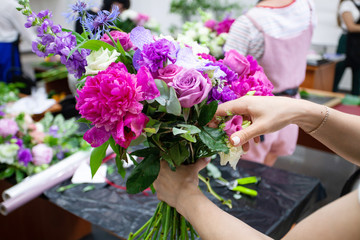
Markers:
point(235, 107)
point(243, 136)
point(201, 163)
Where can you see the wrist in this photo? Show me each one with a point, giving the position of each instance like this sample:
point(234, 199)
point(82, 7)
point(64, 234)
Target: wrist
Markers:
point(187, 198)
point(309, 115)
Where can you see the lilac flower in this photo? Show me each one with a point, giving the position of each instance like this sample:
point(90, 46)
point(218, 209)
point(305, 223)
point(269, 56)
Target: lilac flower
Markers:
point(31, 19)
point(39, 49)
point(24, 156)
point(44, 14)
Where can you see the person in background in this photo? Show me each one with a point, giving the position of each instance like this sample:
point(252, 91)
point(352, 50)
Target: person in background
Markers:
point(12, 30)
point(278, 34)
point(107, 5)
point(337, 130)
point(349, 21)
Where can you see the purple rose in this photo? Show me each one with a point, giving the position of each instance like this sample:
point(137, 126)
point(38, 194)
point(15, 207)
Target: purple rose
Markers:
point(124, 39)
point(42, 154)
point(237, 62)
point(169, 72)
point(233, 125)
point(191, 87)
point(8, 127)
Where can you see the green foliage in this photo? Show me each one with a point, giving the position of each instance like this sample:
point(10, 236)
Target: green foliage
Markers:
point(144, 174)
point(188, 8)
point(214, 139)
point(207, 113)
point(97, 155)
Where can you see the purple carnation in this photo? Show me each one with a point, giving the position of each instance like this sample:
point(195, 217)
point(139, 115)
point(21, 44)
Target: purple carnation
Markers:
point(24, 156)
point(155, 55)
point(222, 95)
point(230, 74)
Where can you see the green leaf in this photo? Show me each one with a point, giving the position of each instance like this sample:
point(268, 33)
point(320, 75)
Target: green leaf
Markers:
point(189, 137)
point(173, 105)
point(177, 154)
point(164, 92)
point(190, 128)
point(120, 167)
point(96, 45)
point(114, 147)
point(7, 173)
point(145, 152)
point(177, 131)
point(88, 188)
point(143, 174)
point(214, 139)
point(83, 120)
point(207, 113)
point(97, 155)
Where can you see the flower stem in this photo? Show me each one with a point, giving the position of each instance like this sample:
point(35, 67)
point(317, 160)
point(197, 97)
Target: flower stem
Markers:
point(167, 218)
point(183, 227)
point(156, 226)
point(217, 196)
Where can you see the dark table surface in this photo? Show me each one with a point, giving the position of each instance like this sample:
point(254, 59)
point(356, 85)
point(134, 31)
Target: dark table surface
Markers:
point(282, 198)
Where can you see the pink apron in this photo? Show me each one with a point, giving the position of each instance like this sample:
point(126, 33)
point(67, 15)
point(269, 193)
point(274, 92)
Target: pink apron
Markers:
point(284, 63)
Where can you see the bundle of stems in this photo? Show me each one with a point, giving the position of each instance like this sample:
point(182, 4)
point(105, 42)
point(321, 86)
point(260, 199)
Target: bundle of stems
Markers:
point(166, 223)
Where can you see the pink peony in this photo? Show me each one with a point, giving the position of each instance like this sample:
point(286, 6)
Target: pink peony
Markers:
point(210, 24)
point(233, 125)
point(112, 97)
point(37, 136)
point(8, 127)
point(42, 154)
point(169, 72)
point(258, 83)
point(224, 25)
point(191, 87)
point(237, 62)
point(124, 39)
point(141, 19)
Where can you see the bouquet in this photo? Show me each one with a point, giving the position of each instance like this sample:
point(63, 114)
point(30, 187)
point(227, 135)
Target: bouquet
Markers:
point(209, 33)
point(155, 91)
point(27, 147)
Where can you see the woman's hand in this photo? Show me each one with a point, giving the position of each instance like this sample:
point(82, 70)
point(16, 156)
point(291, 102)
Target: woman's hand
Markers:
point(172, 186)
point(267, 114)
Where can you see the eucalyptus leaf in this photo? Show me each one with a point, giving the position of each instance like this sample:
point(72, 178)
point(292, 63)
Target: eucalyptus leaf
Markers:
point(173, 105)
point(190, 128)
point(97, 155)
point(189, 137)
point(143, 175)
point(177, 131)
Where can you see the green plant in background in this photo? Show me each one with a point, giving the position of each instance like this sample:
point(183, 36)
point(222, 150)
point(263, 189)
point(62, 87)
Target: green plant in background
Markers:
point(189, 8)
point(54, 71)
point(9, 92)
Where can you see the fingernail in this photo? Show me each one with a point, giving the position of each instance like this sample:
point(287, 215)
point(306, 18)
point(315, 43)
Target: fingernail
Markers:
point(207, 159)
point(236, 140)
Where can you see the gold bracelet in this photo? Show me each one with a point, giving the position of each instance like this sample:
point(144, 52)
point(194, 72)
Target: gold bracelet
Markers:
point(322, 122)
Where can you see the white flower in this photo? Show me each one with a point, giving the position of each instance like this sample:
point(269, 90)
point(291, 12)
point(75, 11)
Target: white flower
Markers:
point(128, 14)
point(232, 157)
point(8, 153)
point(100, 60)
point(221, 39)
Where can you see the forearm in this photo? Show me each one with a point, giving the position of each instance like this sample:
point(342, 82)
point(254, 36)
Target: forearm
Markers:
point(213, 223)
point(340, 132)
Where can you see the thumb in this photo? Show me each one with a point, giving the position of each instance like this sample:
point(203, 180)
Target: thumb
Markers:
point(243, 136)
point(201, 163)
